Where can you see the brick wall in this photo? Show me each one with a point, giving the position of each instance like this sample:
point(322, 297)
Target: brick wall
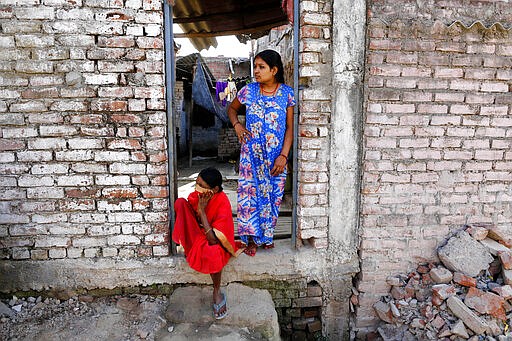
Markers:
point(436, 132)
point(82, 138)
point(219, 67)
point(315, 108)
point(315, 74)
point(229, 147)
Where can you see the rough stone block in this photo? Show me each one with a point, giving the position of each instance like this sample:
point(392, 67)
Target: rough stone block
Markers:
point(467, 316)
point(443, 291)
point(383, 311)
point(459, 330)
point(507, 276)
point(485, 303)
point(398, 293)
point(498, 234)
point(506, 259)
point(464, 254)
point(464, 280)
point(193, 305)
point(441, 275)
point(307, 302)
point(504, 291)
point(477, 232)
point(314, 291)
point(493, 246)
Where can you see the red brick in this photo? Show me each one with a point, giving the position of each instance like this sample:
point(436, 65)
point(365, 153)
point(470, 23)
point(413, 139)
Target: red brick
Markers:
point(485, 303)
point(157, 239)
point(116, 42)
point(150, 43)
point(154, 192)
point(109, 105)
point(11, 144)
point(144, 251)
point(124, 144)
point(82, 193)
point(120, 193)
point(506, 259)
point(140, 204)
point(158, 157)
point(311, 31)
point(138, 156)
point(40, 93)
point(128, 118)
point(464, 280)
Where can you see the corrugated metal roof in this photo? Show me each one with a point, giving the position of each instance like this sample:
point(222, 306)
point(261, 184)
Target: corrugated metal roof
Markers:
point(203, 20)
point(185, 67)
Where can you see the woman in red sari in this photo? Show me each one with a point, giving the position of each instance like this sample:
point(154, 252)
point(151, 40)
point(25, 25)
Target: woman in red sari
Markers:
point(204, 228)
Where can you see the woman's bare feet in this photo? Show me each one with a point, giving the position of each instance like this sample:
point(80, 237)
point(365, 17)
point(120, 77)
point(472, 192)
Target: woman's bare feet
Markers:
point(250, 249)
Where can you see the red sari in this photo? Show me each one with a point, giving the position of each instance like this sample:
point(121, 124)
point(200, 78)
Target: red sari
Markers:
point(187, 232)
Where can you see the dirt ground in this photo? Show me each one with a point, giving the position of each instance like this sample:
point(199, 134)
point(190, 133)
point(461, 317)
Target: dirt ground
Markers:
point(134, 317)
point(114, 318)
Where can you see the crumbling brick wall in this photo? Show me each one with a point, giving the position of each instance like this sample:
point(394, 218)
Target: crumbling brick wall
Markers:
point(83, 163)
point(436, 132)
point(315, 74)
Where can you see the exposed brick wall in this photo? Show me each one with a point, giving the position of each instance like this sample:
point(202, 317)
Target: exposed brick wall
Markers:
point(299, 307)
point(229, 147)
point(82, 140)
point(219, 67)
point(315, 108)
point(436, 132)
point(315, 74)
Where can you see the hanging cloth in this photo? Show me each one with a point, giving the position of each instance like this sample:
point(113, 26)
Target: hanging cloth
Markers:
point(220, 86)
point(230, 91)
point(202, 95)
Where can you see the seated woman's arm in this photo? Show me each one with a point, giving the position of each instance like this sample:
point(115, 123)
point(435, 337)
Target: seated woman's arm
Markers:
point(208, 230)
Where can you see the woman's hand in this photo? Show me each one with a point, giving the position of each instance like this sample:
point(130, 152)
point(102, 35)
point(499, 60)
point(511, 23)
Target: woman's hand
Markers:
point(242, 133)
point(279, 164)
point(203, 200)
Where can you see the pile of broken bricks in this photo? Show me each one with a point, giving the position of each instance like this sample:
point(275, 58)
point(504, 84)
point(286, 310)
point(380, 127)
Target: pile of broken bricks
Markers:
point(466, 296)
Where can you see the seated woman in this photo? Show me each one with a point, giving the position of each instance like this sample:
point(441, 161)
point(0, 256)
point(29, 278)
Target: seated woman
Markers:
point(204, 228)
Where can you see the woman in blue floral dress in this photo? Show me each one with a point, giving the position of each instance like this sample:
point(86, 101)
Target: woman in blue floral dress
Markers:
point(266, 142)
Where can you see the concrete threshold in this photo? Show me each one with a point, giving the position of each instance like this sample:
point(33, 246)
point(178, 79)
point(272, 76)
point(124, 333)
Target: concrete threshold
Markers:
point(280, 263)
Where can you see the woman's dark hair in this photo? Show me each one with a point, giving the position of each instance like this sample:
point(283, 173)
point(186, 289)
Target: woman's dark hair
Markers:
point(272, 58)
point(212, 177)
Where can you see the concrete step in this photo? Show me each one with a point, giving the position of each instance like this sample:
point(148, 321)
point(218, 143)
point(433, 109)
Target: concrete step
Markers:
point(251, 315)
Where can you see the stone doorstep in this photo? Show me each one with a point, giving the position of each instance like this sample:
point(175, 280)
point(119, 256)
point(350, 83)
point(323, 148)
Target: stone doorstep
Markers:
point(281, 263)
point(249, 311)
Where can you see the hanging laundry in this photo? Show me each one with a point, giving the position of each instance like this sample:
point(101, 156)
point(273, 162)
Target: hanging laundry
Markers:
point(230, 91)
point(220, 87)
point(202, 96)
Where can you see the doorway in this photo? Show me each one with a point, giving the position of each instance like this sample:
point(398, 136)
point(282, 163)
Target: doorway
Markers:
point(200, 136)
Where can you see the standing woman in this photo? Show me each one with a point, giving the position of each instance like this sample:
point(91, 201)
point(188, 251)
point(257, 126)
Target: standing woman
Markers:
point(266, 142)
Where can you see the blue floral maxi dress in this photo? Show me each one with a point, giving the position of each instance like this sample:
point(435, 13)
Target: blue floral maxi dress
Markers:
point(259, 193)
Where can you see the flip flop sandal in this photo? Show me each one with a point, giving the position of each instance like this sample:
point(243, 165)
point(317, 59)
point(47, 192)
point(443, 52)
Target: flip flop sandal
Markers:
point(218, 307)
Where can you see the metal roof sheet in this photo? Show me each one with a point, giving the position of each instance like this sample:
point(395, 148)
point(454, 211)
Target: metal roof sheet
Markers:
point(203, 20)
